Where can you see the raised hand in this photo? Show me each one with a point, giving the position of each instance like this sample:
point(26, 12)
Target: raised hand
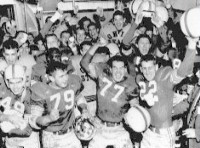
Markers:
point(189, 133)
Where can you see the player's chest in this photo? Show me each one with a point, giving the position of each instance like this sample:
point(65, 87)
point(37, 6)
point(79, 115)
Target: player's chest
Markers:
point(62, 100)
point(149, 90)
point(12, 103)
point(112, 91)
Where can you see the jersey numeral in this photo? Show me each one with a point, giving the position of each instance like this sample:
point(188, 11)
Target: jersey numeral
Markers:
point(108, 85)
point(68, 98)
point(153, 89)
point(18, 106)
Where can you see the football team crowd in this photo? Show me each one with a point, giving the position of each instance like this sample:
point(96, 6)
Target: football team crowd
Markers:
point(73, 84)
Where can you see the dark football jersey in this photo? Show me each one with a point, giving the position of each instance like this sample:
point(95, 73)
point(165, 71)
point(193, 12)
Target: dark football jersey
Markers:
point(64, 100)
point(113, 97)
point(159, 93)
point(9, 101)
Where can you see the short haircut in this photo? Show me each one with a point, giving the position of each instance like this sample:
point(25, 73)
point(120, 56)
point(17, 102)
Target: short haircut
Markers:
point(54, 65)
point(51, 52)
point(66, 52)
point(69, 31)
point(38, 38)
point(143, 36)
point(85, 43)
point(104, 50)
point(93, 24)
point(82, 20)
point(79, 28)
point(31, 34)
point(33, 48)
point(118, 12)
point(10, 44)
point(117, 58)
point(147, 58)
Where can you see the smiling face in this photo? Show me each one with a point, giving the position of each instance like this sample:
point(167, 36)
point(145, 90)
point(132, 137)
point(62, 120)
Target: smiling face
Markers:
point(16, 85)
point(148, 69)
point(10, 56)
point(93, 32)
point(118, 70)
point(119, 22)
point(144, 45)
point(80, 36)
point(59, 78)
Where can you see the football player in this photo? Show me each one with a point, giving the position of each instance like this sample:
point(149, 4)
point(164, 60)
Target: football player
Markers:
point(115, 88)
point(16, 110)
point(53, 107)
point(156, 89)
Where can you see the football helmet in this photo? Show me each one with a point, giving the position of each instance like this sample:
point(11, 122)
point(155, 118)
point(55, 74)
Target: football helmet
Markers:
point(138, 118)
point(15, 78)
point(84, 128)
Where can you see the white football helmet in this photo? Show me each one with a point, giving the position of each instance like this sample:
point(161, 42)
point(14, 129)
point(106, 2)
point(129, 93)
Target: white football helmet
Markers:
point(15, 78)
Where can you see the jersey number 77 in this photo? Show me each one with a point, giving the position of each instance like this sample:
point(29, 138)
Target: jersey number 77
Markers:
point(116, 87)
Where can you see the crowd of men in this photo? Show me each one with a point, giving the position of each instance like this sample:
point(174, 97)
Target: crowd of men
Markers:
point(85, 67)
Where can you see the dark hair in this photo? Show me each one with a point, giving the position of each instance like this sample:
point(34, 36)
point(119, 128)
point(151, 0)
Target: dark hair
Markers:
point(196, 67)
point(148, 57)
point(143, 36)
point(79, 28)
point(10, 44)
point(82, 20)
point(54, 65)
point(38, 38)
point(118, 12)
point(31, 34)
point(93, 24)
point(85, 43)
point(51, 52)
point(104, 50)
point(117, 58)
point(63, 52)
point(66, 31)
point(47, 19)
point(33, 48)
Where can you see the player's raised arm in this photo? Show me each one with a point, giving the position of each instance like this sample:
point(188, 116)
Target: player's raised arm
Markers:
point(87, 58)
point(187, 64)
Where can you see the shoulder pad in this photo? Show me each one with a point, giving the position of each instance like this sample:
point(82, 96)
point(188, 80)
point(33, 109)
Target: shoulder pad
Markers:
point(163, 73)
point(75, 82)
point(41, 90)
